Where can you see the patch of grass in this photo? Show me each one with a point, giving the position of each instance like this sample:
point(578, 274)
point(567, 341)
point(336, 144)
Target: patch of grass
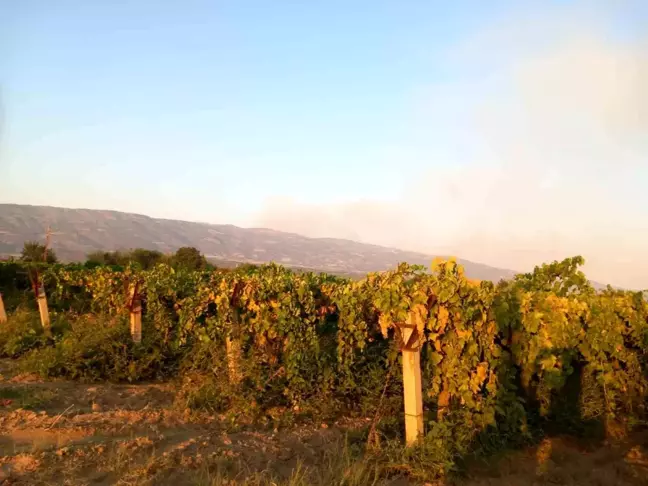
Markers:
point(340, 464)
point(27, 397)
point(21, 333)
point(96, 348)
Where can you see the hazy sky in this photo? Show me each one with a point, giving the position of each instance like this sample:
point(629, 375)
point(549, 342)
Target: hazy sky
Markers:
point(509, 133)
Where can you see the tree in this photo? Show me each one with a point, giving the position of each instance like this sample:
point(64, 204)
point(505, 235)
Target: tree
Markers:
point(35, 252)
point(190, 258)
point(96, 258)
point(146, 258)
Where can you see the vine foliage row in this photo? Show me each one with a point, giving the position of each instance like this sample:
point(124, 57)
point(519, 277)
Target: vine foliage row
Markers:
point(493, 355)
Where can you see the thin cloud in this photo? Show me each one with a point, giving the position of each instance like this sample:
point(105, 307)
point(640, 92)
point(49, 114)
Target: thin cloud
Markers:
point(555, 157)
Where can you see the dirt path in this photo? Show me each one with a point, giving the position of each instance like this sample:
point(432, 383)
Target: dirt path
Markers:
point(69, 433)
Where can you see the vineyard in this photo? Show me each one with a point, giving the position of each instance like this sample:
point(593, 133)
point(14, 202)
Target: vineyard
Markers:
point(499, 364)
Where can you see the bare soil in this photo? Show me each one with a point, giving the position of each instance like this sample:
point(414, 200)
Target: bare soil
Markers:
point(75, 434)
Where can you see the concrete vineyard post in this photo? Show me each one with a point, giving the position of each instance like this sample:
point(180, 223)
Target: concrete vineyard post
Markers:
point(136, 321)
point(233, 347)
point(43, 309)
point(412, 389)
point(412, 395)
point(135, 308)
point(3, 313)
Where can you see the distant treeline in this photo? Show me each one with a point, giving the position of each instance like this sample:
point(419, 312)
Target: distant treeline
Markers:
point(186, 257)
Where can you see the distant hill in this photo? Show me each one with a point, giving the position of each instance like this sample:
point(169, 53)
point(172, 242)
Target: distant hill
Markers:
point(80, 231)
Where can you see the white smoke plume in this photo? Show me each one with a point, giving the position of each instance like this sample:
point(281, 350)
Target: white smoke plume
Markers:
point(548, 121)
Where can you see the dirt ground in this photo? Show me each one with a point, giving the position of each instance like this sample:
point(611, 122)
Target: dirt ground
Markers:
point(70, 433)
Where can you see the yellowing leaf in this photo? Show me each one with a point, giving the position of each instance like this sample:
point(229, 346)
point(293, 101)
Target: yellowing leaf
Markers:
point(464, 333)
point(482, 371)
point(417, 316)
point(444, 398)
point(443, 317)
point(385, 323)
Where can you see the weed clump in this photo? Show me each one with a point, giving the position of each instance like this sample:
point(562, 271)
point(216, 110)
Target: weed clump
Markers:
point(100, 348)
point(21, 333)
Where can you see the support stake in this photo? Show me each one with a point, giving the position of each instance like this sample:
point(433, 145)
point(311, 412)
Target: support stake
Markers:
point(411, 342)
point(43, 310)
point(136, 321)
point(412, 395)
point(233, 347)
point(3, 313)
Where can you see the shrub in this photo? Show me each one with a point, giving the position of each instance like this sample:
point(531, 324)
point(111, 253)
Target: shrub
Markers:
point(101, 348)
point(22, 332)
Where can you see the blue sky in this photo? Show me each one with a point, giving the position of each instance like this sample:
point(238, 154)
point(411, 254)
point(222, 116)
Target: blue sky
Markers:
point(252, 98)
point(336, 118)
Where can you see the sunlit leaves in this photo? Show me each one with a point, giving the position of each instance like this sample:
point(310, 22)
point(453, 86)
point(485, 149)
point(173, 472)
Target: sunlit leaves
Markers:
point(307, 332)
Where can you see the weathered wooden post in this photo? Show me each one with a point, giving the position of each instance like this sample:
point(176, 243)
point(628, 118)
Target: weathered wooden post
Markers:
point(136, 317)
point(42, 308)
point(412, 392)
point(3, 313)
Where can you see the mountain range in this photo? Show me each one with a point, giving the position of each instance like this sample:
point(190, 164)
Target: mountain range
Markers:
point(77, 232)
